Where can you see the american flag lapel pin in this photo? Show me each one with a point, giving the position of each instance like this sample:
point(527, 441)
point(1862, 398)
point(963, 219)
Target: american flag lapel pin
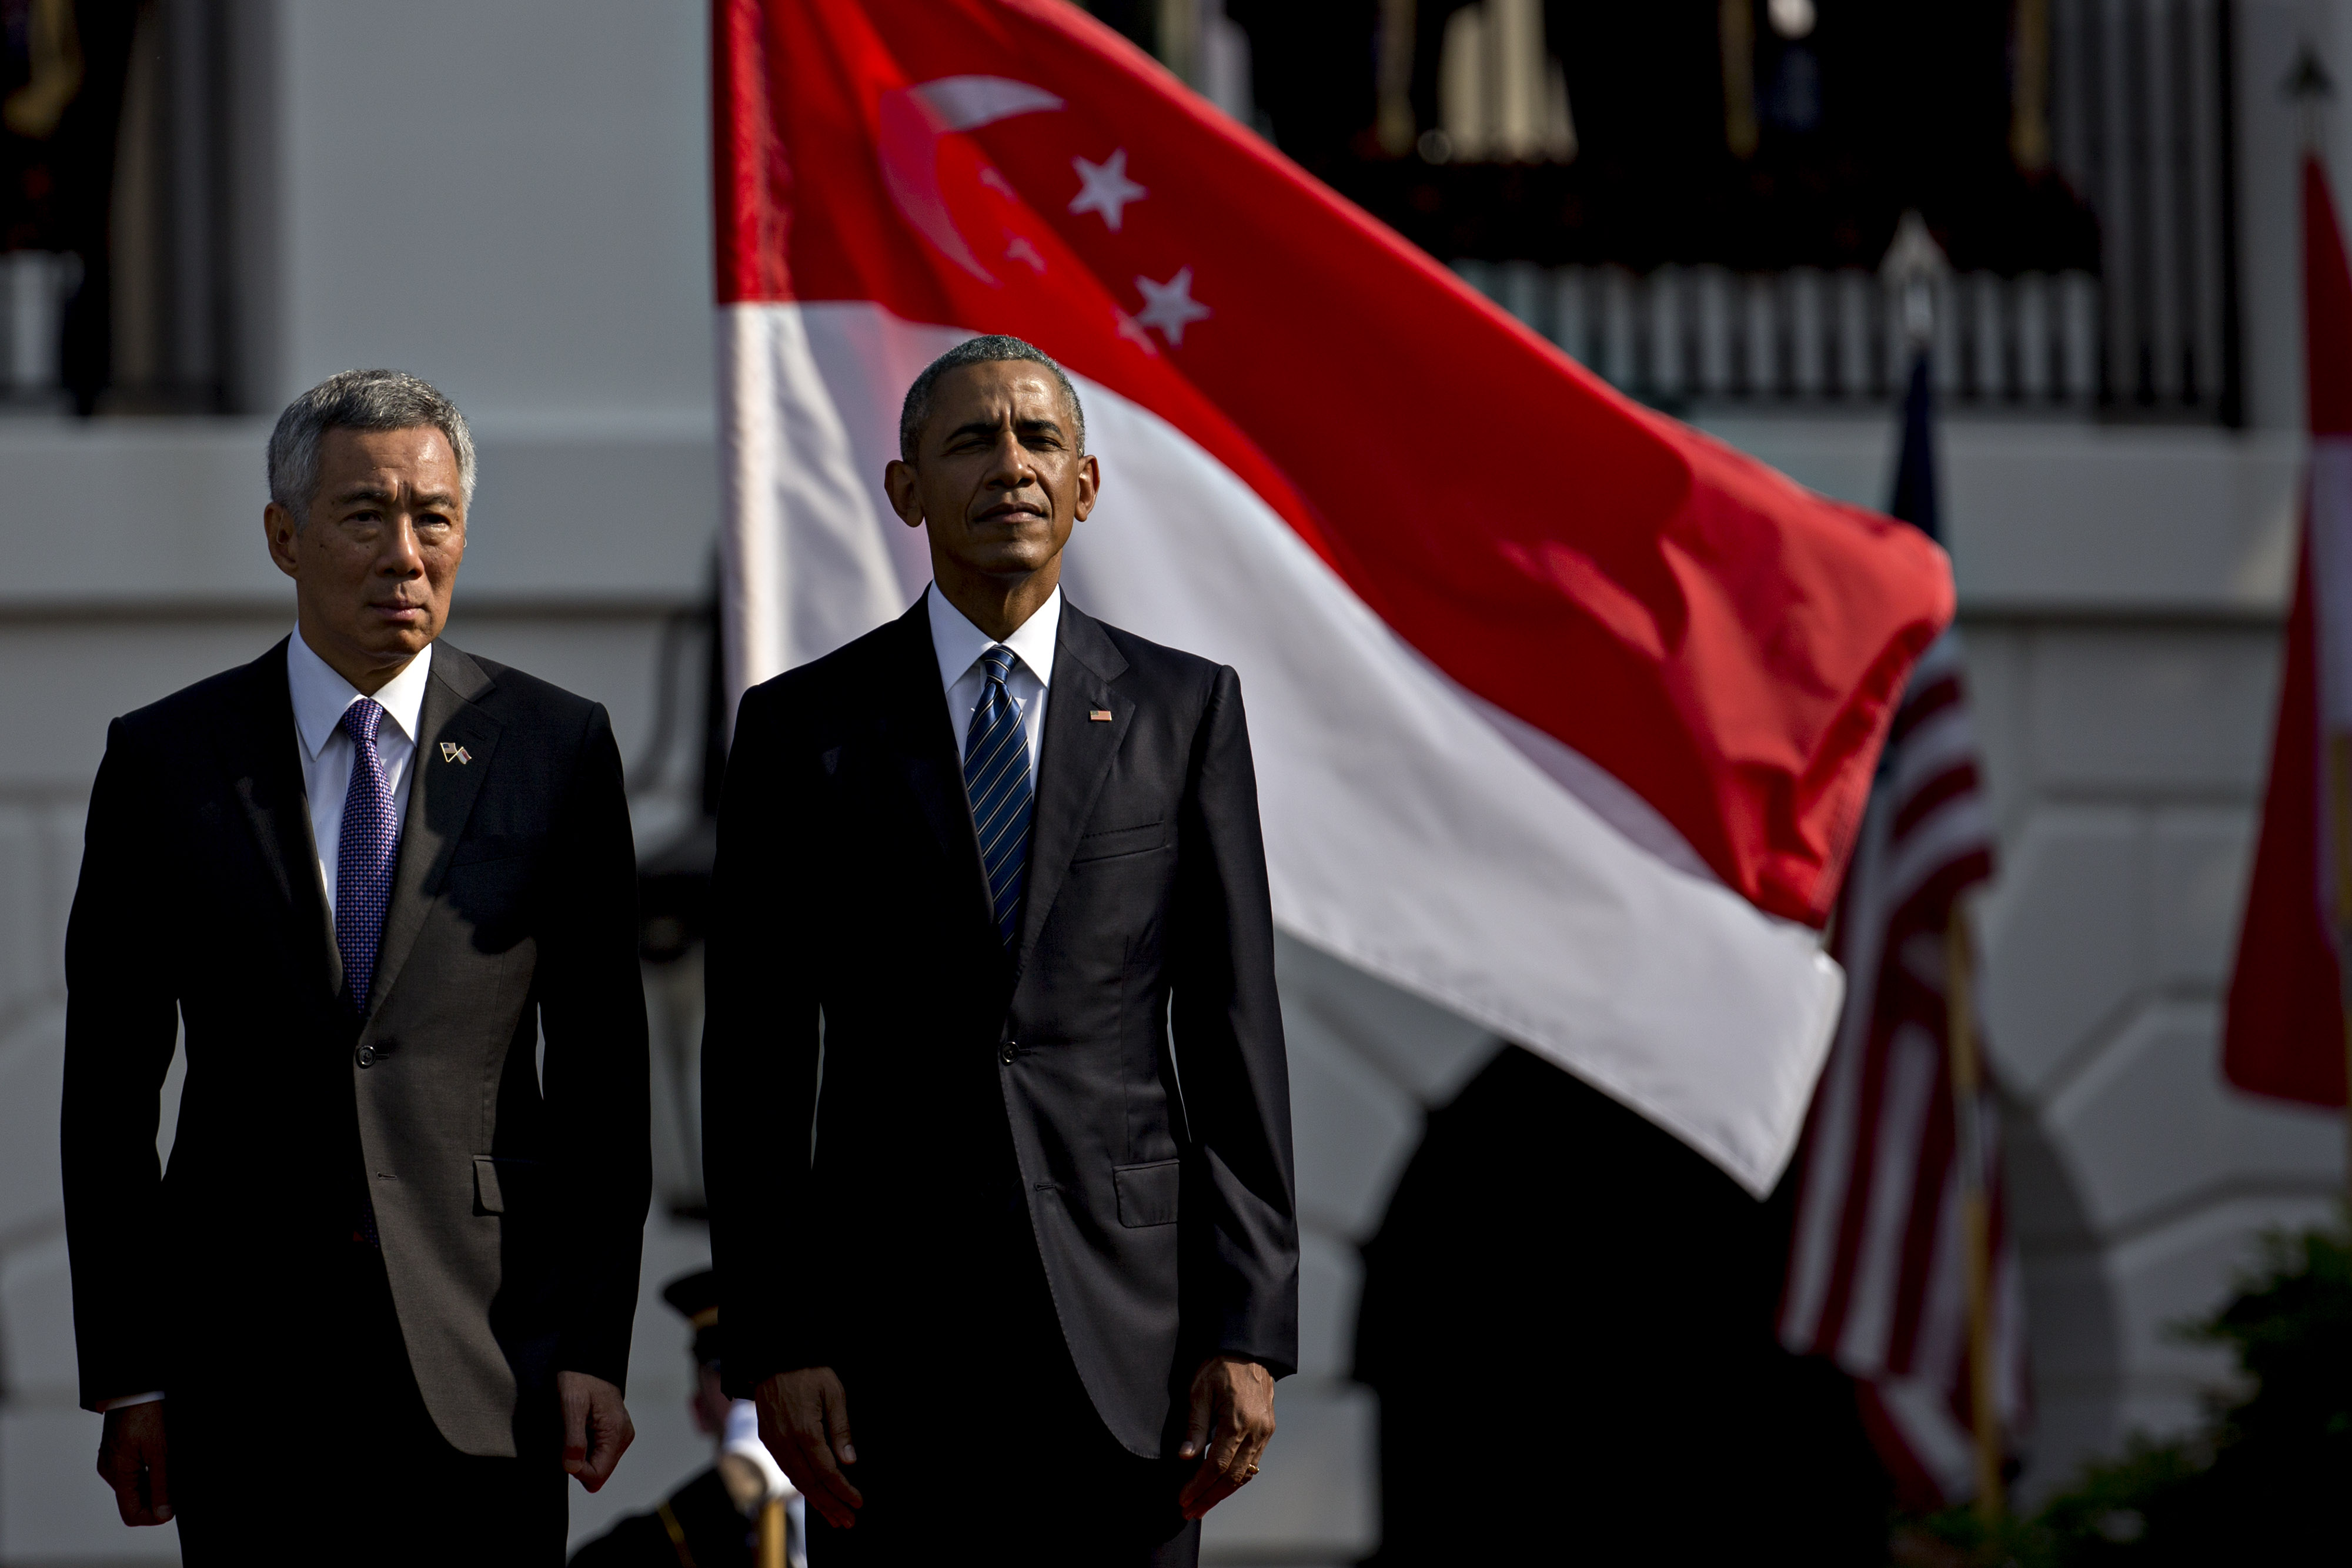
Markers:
point(452, 752)
point(1099, 715)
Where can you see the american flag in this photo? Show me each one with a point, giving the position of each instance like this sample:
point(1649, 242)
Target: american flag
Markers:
point(1877, 1276)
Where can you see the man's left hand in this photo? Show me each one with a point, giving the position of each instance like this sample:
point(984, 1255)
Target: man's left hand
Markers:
point(596, 1428)
point(1232, 1417)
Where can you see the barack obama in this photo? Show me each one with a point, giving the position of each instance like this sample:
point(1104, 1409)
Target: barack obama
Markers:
point(997, 1115)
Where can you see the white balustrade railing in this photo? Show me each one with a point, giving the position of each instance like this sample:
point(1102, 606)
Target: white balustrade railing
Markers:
point(34, 286)
point(1682, 334)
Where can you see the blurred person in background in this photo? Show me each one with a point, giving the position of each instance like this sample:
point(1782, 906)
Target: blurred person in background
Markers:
point(1002, 864)
point(381, 1303)
point(716, 1518)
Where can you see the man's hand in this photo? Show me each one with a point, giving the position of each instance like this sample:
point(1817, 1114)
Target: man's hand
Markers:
point(596, 1428)
point(131, 1460)
point(804, 1421)
point(1232, 1417)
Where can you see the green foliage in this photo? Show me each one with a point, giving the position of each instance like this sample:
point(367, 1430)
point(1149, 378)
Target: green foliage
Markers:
point(2264, 1484)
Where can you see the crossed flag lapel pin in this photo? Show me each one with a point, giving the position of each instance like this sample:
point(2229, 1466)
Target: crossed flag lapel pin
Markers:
point(453, 752)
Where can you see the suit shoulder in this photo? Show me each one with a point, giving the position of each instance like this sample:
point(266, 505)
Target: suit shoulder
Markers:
point(511, 693)
point(1160, 665)
point(201, 706)
point(848, 668)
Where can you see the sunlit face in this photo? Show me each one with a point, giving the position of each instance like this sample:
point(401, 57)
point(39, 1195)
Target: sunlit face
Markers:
point(375, 561)
point(998, 478)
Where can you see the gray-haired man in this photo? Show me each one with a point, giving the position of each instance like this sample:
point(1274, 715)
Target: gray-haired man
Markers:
point(381, 1302)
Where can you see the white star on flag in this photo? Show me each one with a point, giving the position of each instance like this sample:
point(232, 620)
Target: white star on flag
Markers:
point(1630, 888)
point(1105, 189)
point(1170, 306)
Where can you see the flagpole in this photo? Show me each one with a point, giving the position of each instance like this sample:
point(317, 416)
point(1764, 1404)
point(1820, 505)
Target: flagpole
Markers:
point(2339, 831)
point(770, 1553)
point(1976, 1230)
point(2308, 85)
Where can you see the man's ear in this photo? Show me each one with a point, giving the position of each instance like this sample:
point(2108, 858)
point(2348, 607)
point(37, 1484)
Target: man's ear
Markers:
point(1089, 486)
point(277, 527)
point(901, 484)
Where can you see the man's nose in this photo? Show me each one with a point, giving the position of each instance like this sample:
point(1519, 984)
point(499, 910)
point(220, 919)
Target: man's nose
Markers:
point(1012, 467)
point(402, 555)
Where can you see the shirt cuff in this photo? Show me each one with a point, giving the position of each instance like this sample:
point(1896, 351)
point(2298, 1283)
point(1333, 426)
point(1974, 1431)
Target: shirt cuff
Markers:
point(128, 1400)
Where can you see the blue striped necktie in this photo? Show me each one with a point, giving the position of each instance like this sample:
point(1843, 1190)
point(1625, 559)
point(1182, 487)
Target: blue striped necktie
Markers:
point(996, 779)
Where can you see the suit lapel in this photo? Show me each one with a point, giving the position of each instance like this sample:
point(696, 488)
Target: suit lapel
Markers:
point(261, 755)
point(441, 795)
point(1078, 751)
point(921, 732)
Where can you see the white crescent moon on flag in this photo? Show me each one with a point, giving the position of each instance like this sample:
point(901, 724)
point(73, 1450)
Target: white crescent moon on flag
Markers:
point(912, 119)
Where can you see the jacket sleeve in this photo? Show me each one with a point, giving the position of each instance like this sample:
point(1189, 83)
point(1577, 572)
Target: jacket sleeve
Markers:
point(122, 1027)
point(1240, 1272)
point(759, 1049)
point(593, 1018)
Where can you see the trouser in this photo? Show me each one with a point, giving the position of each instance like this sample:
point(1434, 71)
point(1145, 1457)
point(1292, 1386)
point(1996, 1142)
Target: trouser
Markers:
point(978, 1444)
point(342, 1463)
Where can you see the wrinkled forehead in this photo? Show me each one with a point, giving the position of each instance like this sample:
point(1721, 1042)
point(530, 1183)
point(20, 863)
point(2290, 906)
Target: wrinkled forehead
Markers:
point(992, 387)
point(368, 462)
point(408, 446)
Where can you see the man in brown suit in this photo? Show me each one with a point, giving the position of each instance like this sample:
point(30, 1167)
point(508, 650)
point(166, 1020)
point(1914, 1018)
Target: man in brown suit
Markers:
point(381, 1302)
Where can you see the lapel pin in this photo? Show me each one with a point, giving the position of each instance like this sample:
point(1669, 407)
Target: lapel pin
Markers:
point(452, 752)
point(1099, 715)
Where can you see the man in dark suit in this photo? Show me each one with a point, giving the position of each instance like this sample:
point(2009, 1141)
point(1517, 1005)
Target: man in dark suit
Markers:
point(990, 924)
point(381, 1303)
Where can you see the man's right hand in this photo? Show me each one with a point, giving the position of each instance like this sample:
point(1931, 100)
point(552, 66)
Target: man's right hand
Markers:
point(804, 1421)
point(131, 1460)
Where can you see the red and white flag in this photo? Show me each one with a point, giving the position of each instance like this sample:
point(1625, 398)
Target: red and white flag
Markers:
point(1564, 714)
point(2285, 1030)
point(1878, 1266)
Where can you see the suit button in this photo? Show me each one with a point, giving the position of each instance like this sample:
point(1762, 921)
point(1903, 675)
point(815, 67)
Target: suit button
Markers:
point(366, 1055)
point(1006, 1055)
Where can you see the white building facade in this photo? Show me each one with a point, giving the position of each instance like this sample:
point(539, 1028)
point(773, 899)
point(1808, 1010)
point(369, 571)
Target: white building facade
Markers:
point(510, 200)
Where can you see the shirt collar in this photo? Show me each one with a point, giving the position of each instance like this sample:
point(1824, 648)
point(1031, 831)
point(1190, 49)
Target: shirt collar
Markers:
point(958, 644)
point(320, 694)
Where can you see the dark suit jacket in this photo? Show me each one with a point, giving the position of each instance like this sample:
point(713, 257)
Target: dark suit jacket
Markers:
point(1154, 1161)
point(511, 1216)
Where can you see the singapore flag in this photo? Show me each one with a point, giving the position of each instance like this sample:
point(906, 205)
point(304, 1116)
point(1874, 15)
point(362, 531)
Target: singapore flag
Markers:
point(1564, 714)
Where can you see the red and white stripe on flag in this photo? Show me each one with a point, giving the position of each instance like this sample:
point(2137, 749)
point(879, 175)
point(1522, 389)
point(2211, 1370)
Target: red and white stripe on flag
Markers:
point(1564, 714)
point(1877, 1266)
point(2285, 1031)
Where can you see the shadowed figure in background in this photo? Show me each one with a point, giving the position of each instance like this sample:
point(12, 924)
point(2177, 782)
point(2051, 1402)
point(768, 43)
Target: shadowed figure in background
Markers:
point(1635, 1405)
point(381, 1302)
point(720, 1517)
point(994, 870)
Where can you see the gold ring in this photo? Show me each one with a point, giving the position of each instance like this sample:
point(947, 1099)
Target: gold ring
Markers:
point(1251, 1471)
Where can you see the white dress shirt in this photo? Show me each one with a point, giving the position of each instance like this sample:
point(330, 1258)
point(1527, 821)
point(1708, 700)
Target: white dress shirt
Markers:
point(958, 644)
point(320, 695)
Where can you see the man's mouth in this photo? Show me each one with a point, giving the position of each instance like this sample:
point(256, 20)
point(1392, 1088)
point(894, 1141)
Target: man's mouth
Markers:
point(1013, 511)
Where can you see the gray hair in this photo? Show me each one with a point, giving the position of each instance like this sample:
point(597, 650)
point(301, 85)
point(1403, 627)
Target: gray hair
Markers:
point(358, 399)
point(995, 349)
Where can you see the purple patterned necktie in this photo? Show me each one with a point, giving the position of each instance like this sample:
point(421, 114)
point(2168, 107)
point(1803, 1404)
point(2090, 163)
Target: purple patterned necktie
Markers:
point(371, 842)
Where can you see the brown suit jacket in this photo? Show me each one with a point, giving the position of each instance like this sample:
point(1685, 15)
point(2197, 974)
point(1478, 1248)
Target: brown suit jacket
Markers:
point(510, 1198)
